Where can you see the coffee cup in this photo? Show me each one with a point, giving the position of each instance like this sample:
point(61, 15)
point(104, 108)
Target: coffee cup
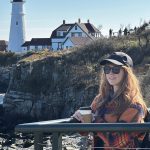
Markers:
point(86, 113)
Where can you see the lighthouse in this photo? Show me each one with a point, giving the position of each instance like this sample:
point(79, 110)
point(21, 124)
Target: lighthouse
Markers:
point(17, 27)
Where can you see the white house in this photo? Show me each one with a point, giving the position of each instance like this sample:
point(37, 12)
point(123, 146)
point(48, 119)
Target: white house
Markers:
point(37, 44)
point(67, 35)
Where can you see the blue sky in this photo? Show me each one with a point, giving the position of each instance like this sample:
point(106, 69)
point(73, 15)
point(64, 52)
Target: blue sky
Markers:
point(43, 16)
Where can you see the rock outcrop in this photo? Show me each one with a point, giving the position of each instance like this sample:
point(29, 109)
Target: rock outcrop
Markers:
point(53, 87)
point(4, 78)
point(56, 85)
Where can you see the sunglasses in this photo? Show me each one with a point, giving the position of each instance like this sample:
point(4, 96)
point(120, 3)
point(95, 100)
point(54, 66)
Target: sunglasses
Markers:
point(114, 69)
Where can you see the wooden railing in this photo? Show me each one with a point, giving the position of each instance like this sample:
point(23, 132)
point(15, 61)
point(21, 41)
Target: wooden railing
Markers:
point(57, 127)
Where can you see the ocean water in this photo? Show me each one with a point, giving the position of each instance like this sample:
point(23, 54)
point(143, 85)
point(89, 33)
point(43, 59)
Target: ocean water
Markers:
point(1, 98)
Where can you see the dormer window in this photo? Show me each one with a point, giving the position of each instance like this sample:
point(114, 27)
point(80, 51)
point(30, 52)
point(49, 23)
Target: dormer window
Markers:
point(76, 28)
point(58, 33)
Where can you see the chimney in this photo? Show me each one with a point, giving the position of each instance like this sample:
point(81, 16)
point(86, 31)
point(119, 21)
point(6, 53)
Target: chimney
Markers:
point(79, 20)
point(88, 21)
point(64, 21)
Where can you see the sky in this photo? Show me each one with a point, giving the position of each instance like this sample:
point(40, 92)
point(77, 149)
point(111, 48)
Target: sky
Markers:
point(43, 16)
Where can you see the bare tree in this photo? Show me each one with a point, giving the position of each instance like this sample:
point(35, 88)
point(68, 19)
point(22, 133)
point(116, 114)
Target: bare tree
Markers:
point(140, 23)
point(100, 27)
point(121, 26)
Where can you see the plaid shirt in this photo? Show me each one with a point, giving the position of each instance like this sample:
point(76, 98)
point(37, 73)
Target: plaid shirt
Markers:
point(134, 113)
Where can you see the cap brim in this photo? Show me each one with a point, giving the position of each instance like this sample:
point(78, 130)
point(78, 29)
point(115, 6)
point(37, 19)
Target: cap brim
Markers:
point(106, 61)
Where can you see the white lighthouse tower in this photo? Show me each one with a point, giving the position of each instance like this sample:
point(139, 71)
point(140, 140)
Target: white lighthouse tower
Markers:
point(17, 27)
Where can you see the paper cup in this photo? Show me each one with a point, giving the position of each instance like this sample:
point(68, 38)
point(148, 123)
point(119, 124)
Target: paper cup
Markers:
point(87, 115)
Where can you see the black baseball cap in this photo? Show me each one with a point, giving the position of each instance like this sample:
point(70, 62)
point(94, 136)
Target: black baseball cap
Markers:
point(118, 58)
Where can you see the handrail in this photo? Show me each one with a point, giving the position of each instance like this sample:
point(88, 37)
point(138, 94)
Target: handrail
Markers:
point(85, 127)
point(56, 127)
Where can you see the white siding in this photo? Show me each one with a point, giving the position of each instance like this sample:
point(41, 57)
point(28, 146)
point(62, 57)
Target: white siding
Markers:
point(36, 48)
point(24, 49)
point(57, 43)
point(76, 32)
point(17, 28)
point(68, 44)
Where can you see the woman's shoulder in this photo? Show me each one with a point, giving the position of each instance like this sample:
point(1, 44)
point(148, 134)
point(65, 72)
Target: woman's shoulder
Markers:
point(138, 107)
point(135, 112)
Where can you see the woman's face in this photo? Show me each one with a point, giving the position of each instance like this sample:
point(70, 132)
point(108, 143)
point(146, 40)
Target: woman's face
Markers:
point(114, 74)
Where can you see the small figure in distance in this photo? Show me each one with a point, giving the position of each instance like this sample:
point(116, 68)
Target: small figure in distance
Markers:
point(110, 33)
point(125, 31)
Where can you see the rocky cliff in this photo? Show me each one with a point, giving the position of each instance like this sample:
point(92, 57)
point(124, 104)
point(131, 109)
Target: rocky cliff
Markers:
point(4, 78)
point(53, 85)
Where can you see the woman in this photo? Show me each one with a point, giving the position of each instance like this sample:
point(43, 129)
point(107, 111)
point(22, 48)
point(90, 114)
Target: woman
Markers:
point(119, 100)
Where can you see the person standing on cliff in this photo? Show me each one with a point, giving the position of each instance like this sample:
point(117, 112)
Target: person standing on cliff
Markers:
point(119, 101)
point(110, 32)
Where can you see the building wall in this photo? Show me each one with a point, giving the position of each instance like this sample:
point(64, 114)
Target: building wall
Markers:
point(25, 49)
point(68, 44)
point(57, 43)
point(36, 48)
point(17, 28)
point(76, 31)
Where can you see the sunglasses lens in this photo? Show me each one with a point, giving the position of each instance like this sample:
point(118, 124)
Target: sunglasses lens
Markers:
point(107, 69)
point(115, 69)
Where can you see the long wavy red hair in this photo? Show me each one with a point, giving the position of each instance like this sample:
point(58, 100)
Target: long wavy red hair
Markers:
point(129, 90)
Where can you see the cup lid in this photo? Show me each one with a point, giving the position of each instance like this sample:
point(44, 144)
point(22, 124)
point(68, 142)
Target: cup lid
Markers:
point(85, 108)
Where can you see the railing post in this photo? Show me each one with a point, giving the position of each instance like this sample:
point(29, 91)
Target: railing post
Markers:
point(56, 141)
point(38, 141)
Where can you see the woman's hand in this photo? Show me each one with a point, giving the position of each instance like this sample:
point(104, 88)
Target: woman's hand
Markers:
point(77, 115)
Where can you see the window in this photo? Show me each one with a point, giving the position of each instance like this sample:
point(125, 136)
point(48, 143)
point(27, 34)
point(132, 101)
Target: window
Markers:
point(36, 47)
point(64, 33)
point(80, 34)
point(59, 45)
point(16, 22)
point(76, 28)
point(28, 47)
point(72, 34)
point(58, 33)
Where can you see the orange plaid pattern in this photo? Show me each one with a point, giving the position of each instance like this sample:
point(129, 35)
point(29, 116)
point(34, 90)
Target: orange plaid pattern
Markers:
point(134, 113)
